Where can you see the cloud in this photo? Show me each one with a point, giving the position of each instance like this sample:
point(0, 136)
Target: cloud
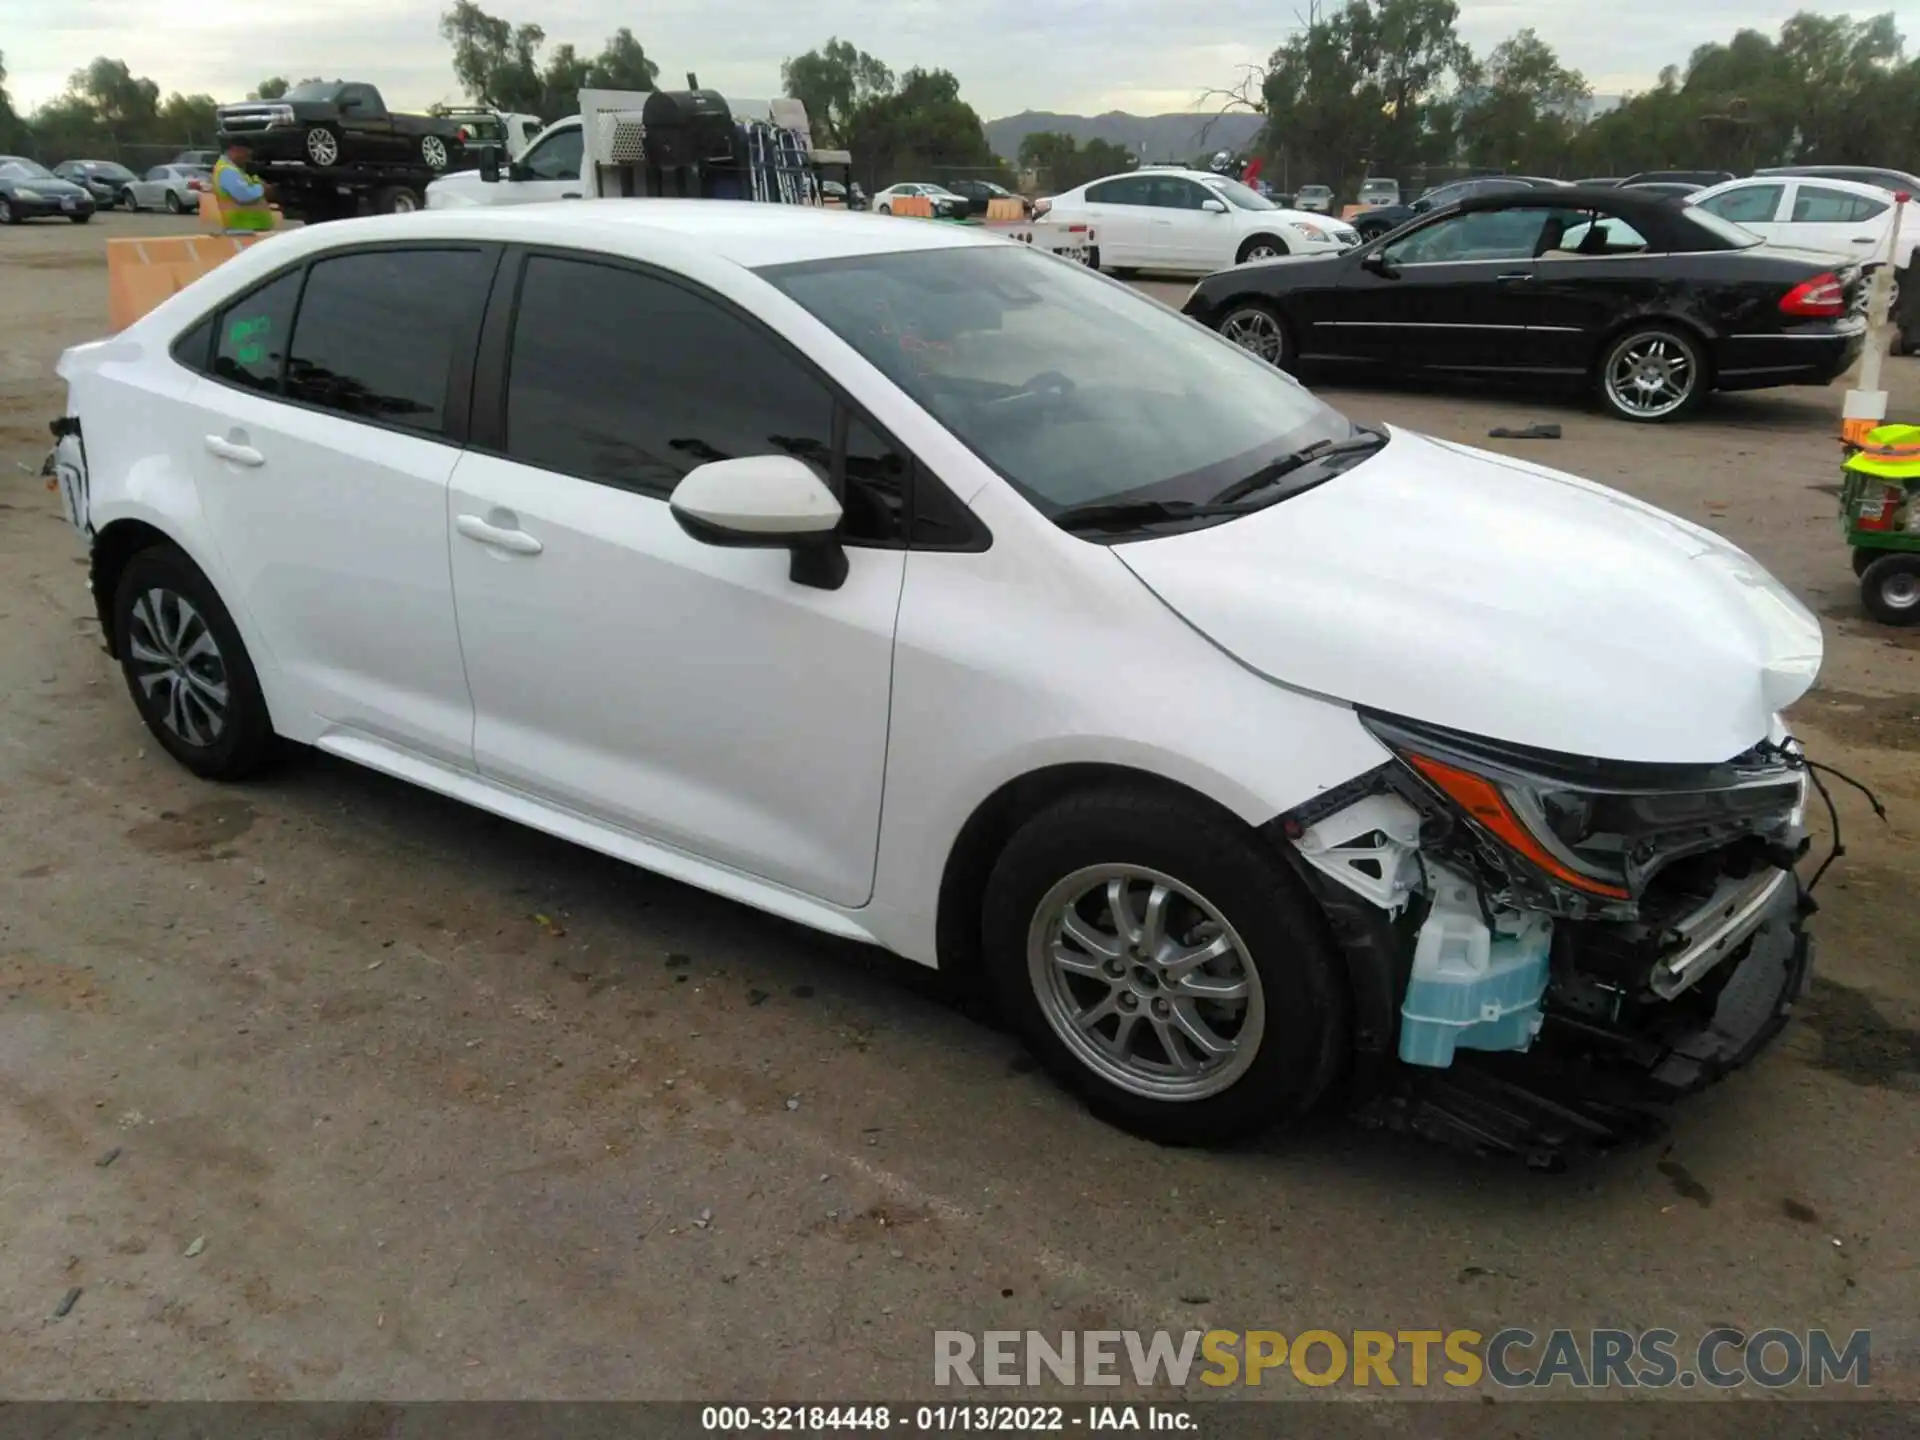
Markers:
point(1010, 55)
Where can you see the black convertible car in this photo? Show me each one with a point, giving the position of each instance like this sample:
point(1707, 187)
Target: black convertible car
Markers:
point(1648, 302)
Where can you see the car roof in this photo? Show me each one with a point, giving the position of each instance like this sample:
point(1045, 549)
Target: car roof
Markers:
point(1862, 188)
point(1857, 173)
point(745, 232)
point(1661, 218)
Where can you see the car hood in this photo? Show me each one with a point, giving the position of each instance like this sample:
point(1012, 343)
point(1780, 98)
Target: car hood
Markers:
point(54, 188)
point(1487, 595)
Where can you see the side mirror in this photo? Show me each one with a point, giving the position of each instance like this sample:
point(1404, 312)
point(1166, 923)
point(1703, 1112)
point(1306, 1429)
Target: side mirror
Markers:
point(489, 165)
point(1379, 264)
point(766, 502)
point(1214, 207)
point(1420, 207)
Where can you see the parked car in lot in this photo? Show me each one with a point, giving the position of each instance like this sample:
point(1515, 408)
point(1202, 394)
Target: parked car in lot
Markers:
point(1682, 177)
point(946, 204)
point(327, 123)
point(167, 187)
point(1898, 181)
point(376, 489)
point(1842, 217)
point(1192, 221)
point(1669, 189)
point(1372, 224)
point(1379, 191)
point(105, 180)
point(1315, 198)
point(1648, 303)
point(200, 159)
point(30, 191)
point(978, 193)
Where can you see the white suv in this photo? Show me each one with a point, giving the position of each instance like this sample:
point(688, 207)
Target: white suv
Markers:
point(1192, 221)
point(935, 593)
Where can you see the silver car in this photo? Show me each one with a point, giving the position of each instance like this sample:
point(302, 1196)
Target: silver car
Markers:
point(170, 187)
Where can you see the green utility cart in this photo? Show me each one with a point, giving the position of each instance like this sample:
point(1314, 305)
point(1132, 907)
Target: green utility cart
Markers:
point(1880, 509)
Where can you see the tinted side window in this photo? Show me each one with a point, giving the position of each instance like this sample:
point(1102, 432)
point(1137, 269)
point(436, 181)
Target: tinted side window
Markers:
point(378, 333)
point(558, 156)
point(1816, 205)
point(1750, 205)
point(629, 380)
point(252, 346)
point(1132, 190)
point(1477, 235)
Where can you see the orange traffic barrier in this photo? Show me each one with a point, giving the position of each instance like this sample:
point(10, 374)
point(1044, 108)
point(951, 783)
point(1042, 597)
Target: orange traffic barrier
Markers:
point(918, 206)
point(1347, 212)
point(1006, 209)
point(143, 273)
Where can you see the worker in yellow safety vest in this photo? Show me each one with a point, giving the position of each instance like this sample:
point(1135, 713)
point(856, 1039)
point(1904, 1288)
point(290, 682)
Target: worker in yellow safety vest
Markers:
point(242, 198)
point(1890, 452)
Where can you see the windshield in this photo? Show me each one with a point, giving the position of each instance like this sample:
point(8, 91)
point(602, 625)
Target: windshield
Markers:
point(938, 190)
point(1738, 236)
point(25, 170)
point(109, 170)
point(1243, 196)
point(312, 90)
point(1075, 388)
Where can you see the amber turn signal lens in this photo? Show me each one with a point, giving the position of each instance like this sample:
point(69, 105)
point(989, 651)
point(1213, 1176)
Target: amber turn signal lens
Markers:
point(1481, 799)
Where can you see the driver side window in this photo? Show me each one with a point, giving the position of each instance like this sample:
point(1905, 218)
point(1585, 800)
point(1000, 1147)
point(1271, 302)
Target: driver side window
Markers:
point(558, 156)
point(1478, 235)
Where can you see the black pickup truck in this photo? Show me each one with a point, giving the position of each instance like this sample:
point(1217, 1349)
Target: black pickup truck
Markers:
point(329, 123)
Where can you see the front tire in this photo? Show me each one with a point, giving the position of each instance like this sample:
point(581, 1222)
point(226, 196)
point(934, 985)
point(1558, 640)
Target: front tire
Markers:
point(186, 668)
point(323, 146)
point(81, 219)
point(8, 215)
point(1260, 330)
point(1261, 247)
point(1165, 966)
point(1890, 589)
point(1651, 374)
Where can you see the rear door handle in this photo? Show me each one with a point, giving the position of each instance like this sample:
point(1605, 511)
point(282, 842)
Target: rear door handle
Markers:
point(235, 454)
point(1513, 277)
point(514, 542)
point(570, 195)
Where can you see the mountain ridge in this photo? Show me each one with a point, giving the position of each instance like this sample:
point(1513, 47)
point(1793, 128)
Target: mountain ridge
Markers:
point(1154, 138)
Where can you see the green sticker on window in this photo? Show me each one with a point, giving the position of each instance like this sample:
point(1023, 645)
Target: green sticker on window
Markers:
point(247, 338)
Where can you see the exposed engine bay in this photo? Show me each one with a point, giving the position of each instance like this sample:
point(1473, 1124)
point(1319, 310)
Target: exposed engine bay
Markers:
point(1630, 931)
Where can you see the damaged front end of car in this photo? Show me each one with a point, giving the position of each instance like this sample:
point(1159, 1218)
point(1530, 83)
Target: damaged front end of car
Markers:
point(1546, 948)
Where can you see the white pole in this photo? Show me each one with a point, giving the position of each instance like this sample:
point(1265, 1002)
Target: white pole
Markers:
point(1866, 403)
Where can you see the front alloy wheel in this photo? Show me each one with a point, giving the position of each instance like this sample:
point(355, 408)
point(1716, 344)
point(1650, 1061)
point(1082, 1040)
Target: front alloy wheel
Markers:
point(1145, 982)
point(1164, 963)
point(1651, 375)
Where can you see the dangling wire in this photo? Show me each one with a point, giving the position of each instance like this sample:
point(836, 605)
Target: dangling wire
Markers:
point(1797, 756)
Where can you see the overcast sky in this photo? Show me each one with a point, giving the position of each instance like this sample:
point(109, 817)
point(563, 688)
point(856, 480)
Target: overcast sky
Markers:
point(1081, 56)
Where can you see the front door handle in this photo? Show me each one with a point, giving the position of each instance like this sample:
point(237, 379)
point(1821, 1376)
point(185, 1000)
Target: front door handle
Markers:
point(234, 453)
point(1513, 277)
point(570, 195)
point(514, 542)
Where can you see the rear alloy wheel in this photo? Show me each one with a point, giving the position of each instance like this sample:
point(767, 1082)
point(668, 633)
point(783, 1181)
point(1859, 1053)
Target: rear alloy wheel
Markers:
point(1262, 247)
point(323, 146)
point(1890, 589)
point(186, 668)
point(1164, 965)
point(175, 205)
point(127, 202)
point(1651, 375)
point(433, 152)
point(1259, 331)
point(397, 200)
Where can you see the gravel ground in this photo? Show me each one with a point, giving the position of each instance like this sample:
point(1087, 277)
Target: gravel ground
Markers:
point(322, 1087)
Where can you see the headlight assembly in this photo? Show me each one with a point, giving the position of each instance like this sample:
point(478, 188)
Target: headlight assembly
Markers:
point(1312, 232)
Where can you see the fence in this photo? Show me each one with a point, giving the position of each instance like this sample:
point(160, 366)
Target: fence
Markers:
point(138, 156)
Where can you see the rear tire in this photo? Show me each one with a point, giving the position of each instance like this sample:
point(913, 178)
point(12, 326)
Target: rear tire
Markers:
point(1650, 374)
point(175, 205)
point(1201, 1051)
point(1890, 589)
point(128, 203)
point(185, 666)
point(433, 152)
point(396, 200)
point(1261, 331)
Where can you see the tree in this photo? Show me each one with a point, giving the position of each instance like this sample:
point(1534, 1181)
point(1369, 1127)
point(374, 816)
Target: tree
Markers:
point(272, 88)
point(119, 99)
point(1525, 109)
point(834, 82)
point(623, 64)
point(12, 130)
point(189, 119)
point(922, 126)
point(1060, 163)
point(493, 59)
point(566, 74)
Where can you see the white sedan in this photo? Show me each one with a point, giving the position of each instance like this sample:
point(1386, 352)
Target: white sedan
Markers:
point(1841, 217)
point(167, 187)
point(935, 593)
point(1192, 221)
point(944, 202)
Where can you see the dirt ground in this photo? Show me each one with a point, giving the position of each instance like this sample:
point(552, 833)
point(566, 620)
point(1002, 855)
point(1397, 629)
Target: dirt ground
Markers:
point(323, 1087)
